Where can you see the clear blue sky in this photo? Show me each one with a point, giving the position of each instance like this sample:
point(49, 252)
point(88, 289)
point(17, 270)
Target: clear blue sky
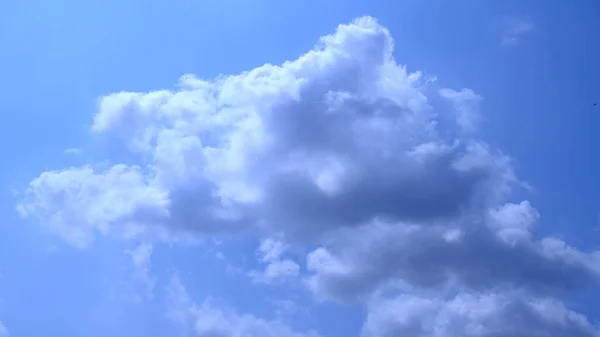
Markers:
point(99, 249)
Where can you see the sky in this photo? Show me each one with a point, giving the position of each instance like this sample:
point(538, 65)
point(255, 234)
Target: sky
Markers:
point(299, 168)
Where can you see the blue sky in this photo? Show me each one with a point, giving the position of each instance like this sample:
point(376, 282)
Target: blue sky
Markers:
point(337, 194)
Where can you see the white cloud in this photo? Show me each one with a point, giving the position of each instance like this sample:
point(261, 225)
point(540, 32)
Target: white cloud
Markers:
point(303, 148)
point(77, 203)
point(493, 252)
point(207, 320)
point(514, 29)
point(277, 268)
point(466, 106)
point(340, 149)
point(271, 249)
point(489, 315)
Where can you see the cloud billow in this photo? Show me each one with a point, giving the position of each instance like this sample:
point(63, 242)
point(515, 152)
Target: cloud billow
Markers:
point(340, 148)
point(329, 140)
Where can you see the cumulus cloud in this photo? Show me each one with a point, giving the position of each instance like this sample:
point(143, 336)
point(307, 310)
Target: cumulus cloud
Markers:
point(277, 268)
point(489, 315)
point(329, 140)
point(339, 149)
point(3, 331)
point(207, 320)
point(466, 106)
point(493, 252)
point(77, 203)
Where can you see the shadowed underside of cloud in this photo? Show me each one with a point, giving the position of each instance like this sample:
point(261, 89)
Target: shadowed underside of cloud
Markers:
point(340, 148)
point(495, 315)
point(495, 252)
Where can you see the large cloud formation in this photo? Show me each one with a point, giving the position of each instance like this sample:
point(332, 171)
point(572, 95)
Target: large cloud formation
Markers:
point(340, 148)
point(333, 139)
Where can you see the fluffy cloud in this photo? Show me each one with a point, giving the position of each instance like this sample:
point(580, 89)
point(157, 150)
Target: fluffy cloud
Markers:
point(480, 253)
point(3, 331)
point(330, 140)
point(277, 268)
point(207, 320)
point(495, 315)
point(339, 148)
point(466, 105)
point(77, 203)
